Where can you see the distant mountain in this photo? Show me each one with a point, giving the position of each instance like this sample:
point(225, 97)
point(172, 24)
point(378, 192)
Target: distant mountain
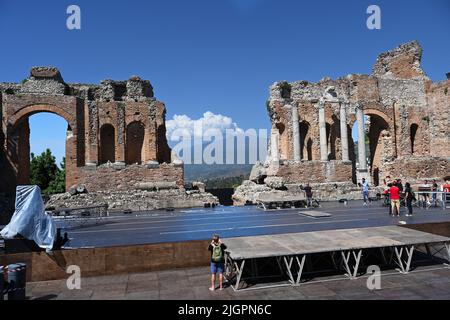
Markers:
point(203, 172)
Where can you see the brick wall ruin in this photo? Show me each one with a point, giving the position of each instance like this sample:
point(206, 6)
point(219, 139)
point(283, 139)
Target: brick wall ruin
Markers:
point(115, 136)
point(408, 128)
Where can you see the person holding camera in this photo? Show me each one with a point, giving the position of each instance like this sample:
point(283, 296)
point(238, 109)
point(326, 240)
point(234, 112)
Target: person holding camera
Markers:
point(217, 249)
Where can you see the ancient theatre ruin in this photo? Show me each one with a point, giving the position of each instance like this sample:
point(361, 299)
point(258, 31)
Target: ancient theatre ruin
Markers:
point(408, 128)
point(116, 145)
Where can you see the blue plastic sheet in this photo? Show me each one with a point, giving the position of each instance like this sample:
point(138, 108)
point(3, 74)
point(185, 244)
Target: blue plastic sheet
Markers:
point(30, 219)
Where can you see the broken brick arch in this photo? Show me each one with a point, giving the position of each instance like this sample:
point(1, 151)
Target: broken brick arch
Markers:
point(107, 144)
point(18, 139)
point(28, 111)
point(416, 137)
point(380, 121)
point(134, 147)
point(90, 144)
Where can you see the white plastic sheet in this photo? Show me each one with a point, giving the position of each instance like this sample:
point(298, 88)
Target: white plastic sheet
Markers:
point(30, 219)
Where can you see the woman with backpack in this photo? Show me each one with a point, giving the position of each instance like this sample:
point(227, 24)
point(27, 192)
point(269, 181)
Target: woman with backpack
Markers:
point(217, 249)
point(409, 197)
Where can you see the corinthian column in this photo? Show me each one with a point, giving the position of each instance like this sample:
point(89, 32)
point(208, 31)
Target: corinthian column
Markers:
point(344, 133)
point(295, 134)
point(361, 139)
point(323, 132)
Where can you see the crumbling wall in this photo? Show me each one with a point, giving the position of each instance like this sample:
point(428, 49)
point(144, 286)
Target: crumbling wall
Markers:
point(409, 124)
point(125, 177)
point(438, 120)
point(316, 172)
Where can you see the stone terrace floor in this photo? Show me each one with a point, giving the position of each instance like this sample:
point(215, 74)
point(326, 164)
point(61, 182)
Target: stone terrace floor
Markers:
point(427, 282)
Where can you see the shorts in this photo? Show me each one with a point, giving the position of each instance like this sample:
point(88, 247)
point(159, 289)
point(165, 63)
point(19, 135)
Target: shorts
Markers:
point(395, 203)
point(217, 267)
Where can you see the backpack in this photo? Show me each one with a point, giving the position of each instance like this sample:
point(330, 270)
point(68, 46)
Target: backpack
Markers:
point(217, 255)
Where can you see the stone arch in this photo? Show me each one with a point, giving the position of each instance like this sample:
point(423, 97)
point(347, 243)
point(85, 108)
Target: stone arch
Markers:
point(134, 146)
point(378, 124)
point(375, 112)
point(107, 145)
point(30, 110)
point(380, 121)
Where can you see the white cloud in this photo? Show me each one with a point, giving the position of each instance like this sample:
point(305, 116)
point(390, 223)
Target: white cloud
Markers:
point(207, 122)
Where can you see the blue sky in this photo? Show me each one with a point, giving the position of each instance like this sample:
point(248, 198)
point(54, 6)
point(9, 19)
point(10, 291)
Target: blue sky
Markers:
point(211, 55)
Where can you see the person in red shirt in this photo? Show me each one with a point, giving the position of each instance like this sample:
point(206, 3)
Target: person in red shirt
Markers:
point(395, 199)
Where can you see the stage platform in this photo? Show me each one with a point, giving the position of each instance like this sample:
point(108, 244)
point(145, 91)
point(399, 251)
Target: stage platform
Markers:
point(345, 246)
point(230, 222)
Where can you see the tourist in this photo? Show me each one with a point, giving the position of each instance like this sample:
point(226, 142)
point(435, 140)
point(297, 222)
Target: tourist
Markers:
point(409, 197)
point(217, 249)
point(425, 195)
point(309, 195)
point(434, 188)
point(400, 191)
point(388, 197)
point(395, 199)
point(400, 185)
point(365, 191)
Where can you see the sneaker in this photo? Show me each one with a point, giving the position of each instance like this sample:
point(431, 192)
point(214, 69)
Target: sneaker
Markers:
point(211, 289)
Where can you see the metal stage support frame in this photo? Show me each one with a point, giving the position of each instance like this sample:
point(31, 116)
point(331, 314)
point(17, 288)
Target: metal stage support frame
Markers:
point(348, 261)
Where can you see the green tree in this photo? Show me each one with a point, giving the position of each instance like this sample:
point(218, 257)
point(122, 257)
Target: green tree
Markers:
point(58, 185)
point(45, 173)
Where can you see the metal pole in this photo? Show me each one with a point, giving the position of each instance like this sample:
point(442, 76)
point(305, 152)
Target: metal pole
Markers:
point(2, 283)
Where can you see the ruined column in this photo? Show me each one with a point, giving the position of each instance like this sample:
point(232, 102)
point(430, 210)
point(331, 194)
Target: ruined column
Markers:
point(323, 132)
point(295, 134)
point(91, 127)
point(344, 133)
point(361, 139)
point(274, 145)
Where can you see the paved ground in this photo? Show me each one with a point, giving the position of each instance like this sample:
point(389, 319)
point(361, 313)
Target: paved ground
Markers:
point(428, 282)
point(200, 224)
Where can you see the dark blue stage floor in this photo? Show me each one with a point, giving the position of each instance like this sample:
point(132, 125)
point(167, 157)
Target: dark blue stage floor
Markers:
point(200, 224)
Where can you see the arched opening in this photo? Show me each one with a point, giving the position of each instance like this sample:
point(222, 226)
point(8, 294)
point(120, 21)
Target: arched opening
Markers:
point(107, 152)
point(355, 147)
point(412, 136)
point(38, 153)
point(305, 141)
point(376, 125)
point(135, 143)
point(331, 140)
point(284, 141)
